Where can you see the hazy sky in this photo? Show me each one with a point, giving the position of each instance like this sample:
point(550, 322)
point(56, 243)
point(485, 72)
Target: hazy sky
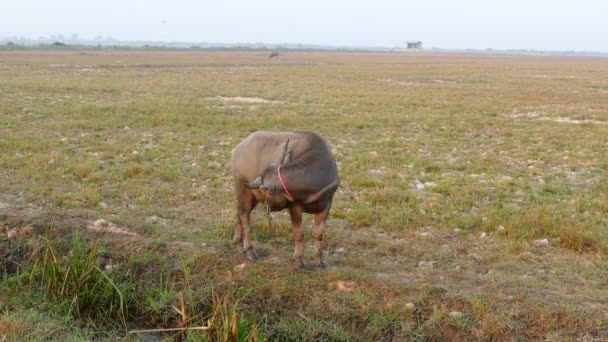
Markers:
point(528, 24)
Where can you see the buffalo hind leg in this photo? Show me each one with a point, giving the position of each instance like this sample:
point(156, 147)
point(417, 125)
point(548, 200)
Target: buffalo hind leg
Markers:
point(298, 236)
point(242, 239)
point(317, 233)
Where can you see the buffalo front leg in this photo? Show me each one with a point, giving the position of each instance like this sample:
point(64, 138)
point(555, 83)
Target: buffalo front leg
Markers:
point(247, 245)
point(238, 234)
point(242, 240)
point(298, 236)
point(317, 233)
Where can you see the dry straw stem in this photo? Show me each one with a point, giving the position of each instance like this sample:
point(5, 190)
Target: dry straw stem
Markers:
point(168, 330)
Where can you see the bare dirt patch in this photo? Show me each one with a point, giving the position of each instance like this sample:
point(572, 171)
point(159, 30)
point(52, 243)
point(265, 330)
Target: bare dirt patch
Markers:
point(103, 226)
point(241, 99)
point(402, 83)
point(560, 119)
point(415, 83)
point(343, 286)
point(18, 219)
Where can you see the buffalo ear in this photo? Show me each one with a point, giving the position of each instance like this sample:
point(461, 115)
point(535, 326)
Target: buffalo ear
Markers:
point(255, 184)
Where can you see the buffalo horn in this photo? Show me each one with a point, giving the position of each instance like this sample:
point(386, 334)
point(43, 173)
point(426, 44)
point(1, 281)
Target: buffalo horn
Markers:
point(255, 184)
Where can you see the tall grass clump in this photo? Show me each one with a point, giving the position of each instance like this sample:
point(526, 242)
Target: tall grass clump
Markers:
point(75, 282)
point(226, 324)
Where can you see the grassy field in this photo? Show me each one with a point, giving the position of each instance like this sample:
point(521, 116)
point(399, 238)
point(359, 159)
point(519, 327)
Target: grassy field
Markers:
point(473, 201)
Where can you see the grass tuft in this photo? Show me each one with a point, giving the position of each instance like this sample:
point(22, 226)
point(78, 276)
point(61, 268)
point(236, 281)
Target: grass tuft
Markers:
point(75, 281)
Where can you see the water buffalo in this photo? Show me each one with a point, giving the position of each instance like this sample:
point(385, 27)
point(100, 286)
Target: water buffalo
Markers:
point(284, 170)
point(273, 54)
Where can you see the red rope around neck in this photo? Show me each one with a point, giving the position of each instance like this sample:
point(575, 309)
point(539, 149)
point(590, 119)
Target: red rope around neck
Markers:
point(289, 197)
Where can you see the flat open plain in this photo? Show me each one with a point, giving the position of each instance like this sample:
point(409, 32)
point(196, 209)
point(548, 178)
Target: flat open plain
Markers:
point(473, 202)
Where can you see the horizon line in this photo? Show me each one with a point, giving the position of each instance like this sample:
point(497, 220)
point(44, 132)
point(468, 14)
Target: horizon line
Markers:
point(84, 41)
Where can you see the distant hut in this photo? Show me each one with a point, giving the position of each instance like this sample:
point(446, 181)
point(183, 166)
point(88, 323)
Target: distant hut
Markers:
point(417, 45)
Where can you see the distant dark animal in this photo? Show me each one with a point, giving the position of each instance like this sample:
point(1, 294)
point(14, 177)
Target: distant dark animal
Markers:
point(273, 54)
point(284, 170)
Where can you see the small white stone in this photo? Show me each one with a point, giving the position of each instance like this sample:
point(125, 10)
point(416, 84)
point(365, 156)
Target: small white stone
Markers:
point(483, 235)
point(456, 314)
point(418, 185)
point(103, 205)
point(426, 264)
point(101, 222)
point(12, 233)
point(240, 267)
point(500, 228)
point(410, 306)
point(152, 219)
point(541, 242)
point(503, 179)
point(214, 165)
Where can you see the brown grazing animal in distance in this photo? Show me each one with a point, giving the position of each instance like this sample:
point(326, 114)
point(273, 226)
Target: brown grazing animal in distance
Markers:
point(284, 170)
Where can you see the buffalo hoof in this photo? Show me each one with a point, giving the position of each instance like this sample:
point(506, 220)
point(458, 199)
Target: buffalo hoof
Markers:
point(301, 265)
point(252, 255)
point(320, 266)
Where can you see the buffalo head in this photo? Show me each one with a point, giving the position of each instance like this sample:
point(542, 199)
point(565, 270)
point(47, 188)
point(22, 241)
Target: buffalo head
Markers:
point(270, 186)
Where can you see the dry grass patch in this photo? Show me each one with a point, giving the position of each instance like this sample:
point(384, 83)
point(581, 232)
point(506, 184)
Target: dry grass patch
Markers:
point(10, 328)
